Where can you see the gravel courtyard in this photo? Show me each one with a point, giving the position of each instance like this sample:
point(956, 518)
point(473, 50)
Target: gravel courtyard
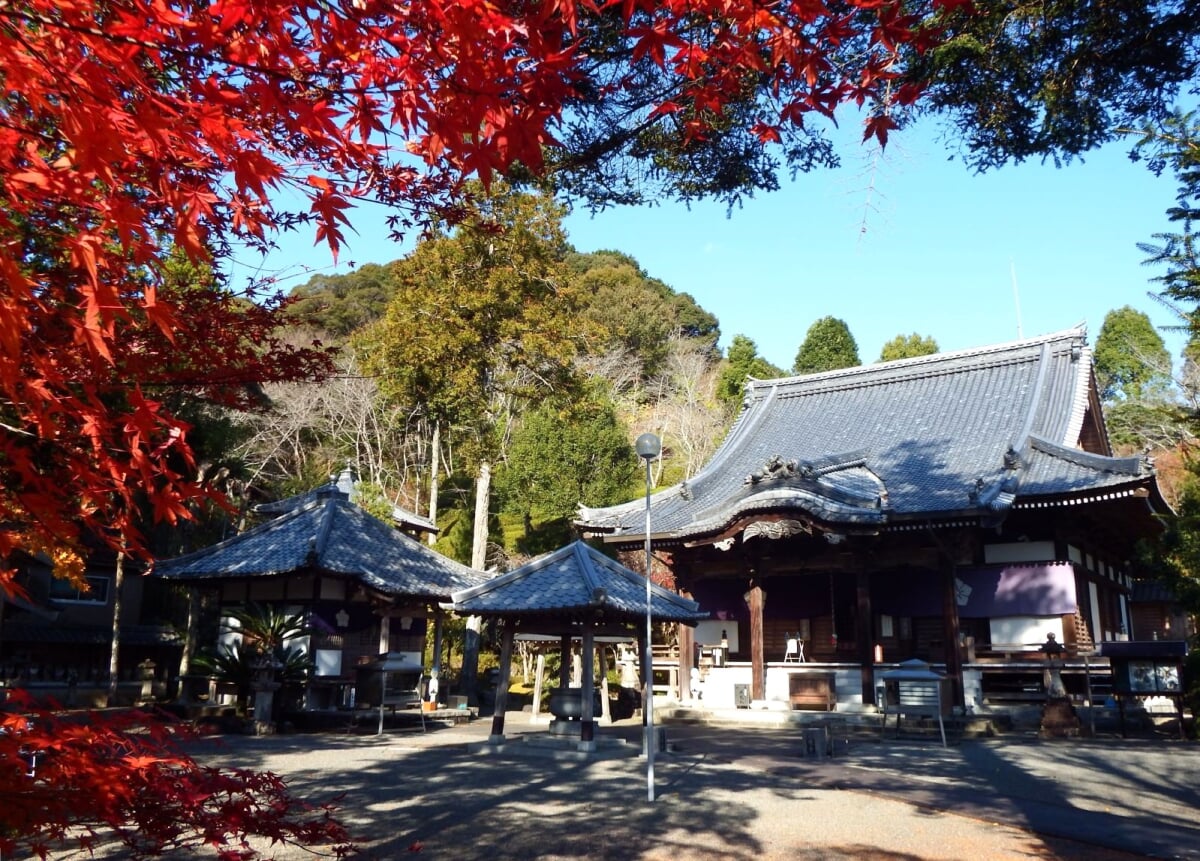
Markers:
point(731, 793)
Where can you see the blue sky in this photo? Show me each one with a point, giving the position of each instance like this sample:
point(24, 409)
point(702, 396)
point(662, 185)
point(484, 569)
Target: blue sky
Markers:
point(909, 242)
point(916, 244)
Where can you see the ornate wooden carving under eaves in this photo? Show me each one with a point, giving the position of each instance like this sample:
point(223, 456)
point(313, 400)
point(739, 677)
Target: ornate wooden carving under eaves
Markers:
point(775, 529)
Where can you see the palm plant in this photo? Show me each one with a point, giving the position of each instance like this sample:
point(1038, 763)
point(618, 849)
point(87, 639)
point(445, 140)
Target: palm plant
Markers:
point(267, 628)
point(266, 631)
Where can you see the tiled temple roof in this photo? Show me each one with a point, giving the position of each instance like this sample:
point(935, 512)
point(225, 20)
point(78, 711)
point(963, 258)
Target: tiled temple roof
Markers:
point(968, 433)
point(343, 483)
point(572, 581)
point(328, 535)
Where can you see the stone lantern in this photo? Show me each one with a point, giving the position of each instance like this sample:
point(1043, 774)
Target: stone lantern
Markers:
point(1058, 713)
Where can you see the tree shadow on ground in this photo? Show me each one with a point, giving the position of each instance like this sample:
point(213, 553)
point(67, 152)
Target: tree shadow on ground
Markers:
point(1134, 797)
point(446, 802)
point(720, 793)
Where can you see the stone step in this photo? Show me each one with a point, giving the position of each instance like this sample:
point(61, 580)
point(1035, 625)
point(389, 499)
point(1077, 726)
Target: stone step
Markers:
point(849, 723)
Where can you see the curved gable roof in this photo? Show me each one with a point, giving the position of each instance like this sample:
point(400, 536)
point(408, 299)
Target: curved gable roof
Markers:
point(956, 433)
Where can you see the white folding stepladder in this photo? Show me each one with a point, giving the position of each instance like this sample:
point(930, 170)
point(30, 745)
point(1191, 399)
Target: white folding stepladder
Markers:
point(794, 651)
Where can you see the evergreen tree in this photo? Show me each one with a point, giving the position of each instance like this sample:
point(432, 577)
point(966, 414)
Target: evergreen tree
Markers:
point(742, 362)
point(637, 314)
point(908, 347)
point(1132, 362)
point(1177, 149)
point(339, 305)
point(631, 313)
point(1055, 78)
point(828, 346)
point(483, 323)
point(565, 453)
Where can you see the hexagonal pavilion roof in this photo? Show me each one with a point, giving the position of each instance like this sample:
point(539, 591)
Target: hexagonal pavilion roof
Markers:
point(328, 535)
point(574, 581)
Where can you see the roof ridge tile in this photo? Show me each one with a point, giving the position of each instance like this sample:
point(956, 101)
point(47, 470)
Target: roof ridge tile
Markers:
point(881, 368)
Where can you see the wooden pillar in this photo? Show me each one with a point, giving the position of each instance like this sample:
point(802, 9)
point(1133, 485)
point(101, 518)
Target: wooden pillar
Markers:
point(687, 652)
point(587, 717)
point(189, 639)
point(605, 705)
point(686, 637)
point(536, 710)
point(865, 634)
point(756, 598)
point(506, 648)
point(564, 664)
point(438, 625)
point(951, 627)
point(385, 631)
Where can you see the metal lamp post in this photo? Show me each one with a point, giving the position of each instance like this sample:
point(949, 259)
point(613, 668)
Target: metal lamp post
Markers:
point(648, 447)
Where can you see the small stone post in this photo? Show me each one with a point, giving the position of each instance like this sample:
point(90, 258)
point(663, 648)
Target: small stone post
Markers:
point(264, 684)
point(146, 674)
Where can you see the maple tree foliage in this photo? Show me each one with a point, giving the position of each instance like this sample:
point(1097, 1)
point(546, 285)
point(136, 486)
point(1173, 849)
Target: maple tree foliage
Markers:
point(66, 781)
point(135, 133)
point(134, 128)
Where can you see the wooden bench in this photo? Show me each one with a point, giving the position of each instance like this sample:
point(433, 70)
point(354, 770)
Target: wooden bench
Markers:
point(812, 690)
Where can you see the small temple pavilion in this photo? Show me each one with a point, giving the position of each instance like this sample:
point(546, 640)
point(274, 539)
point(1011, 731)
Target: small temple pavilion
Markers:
point(364, 586)
point(574, 593)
